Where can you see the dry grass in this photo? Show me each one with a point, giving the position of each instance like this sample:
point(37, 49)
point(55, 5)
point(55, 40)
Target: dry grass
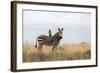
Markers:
point(62, 52)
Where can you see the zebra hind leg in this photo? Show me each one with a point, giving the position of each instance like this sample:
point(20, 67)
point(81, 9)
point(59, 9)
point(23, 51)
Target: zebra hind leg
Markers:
point(40, 47)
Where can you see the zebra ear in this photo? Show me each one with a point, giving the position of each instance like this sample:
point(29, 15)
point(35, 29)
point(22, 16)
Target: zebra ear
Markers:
point(50, 33)
point(58, 29)
point(62, 29)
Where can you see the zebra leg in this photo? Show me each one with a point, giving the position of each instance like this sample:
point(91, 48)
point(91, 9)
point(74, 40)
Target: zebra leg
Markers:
point(40, 47)
point(53, 48)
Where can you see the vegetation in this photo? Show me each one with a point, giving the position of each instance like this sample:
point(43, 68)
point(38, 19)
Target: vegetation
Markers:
point(62, 52)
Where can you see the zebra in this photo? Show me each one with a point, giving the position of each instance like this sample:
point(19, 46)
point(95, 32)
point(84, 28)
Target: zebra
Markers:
point(51, 40)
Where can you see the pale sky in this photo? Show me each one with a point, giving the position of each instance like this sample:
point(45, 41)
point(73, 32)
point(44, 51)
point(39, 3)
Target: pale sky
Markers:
point(77, 26)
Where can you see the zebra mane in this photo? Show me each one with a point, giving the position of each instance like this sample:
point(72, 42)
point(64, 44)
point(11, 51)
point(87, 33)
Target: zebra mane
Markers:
point(56, 34)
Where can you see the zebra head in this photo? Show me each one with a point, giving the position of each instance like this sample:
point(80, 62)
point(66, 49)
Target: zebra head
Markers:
point(59, 34)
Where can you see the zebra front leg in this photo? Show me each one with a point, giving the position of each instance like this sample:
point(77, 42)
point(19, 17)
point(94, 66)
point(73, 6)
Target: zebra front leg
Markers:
point(53, 49)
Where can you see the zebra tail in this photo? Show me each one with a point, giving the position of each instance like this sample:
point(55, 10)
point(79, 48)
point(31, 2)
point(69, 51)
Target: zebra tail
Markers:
point(36, 44)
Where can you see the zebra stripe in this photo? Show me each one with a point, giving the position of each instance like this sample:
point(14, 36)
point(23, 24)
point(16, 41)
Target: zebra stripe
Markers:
point(40, 39)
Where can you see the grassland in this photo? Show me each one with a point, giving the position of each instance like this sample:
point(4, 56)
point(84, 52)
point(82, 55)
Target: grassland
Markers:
point(62, 52)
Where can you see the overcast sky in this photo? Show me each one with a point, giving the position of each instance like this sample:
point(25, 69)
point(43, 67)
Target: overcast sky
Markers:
point(77, 26)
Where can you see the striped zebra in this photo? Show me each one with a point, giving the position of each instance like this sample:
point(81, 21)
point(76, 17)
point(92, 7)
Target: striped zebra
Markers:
point(51, 40)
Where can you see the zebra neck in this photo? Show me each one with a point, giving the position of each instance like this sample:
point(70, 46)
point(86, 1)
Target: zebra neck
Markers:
point(57, 38)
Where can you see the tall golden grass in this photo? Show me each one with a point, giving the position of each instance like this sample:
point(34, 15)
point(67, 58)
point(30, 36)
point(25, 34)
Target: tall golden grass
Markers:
point(62, 52)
